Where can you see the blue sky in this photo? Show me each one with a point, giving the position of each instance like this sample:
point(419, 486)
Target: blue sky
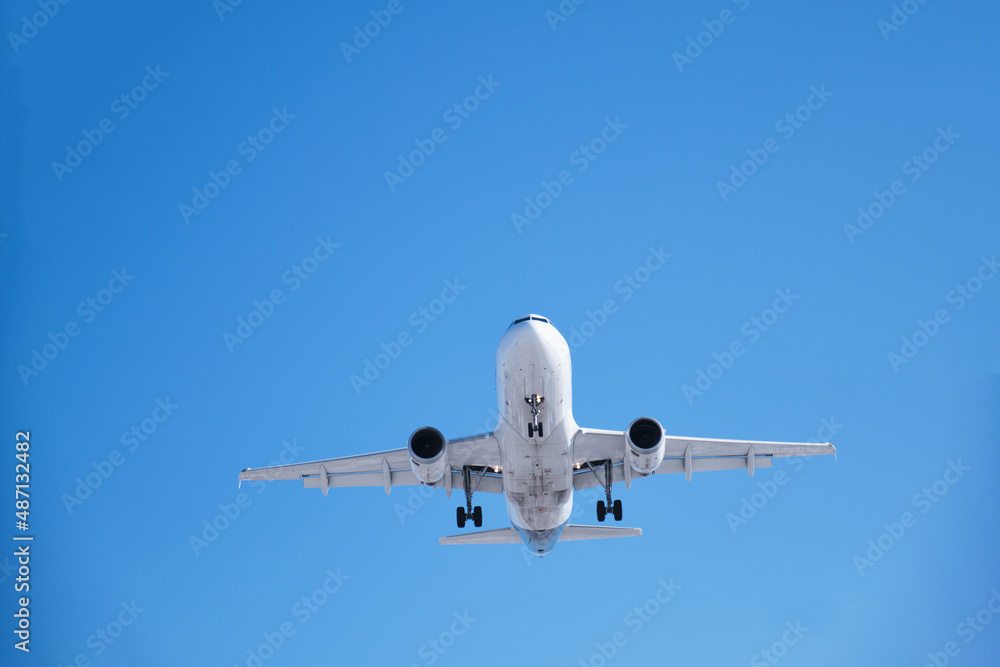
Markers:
point(245, 170)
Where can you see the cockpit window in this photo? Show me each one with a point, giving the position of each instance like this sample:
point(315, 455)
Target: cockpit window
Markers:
point(537, 318)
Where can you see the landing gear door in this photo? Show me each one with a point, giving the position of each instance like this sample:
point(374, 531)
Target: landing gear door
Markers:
point(533, 386)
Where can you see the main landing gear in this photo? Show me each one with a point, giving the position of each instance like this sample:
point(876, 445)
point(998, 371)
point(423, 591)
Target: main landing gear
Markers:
point(535, 426)
point(613, 507)
point(463, 514)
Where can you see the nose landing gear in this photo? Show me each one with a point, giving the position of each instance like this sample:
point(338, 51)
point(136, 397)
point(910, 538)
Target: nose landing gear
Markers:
point(535, 426)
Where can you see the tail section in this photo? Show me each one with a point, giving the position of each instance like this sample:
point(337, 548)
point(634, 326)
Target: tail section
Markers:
point(570, 532)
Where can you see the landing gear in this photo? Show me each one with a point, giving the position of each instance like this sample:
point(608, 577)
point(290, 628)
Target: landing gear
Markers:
point(613, 507)
point(535, 426)
point(463, 514)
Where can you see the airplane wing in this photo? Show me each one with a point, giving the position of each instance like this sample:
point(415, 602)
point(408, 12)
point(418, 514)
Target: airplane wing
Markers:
point(391, 468)
point(591, 447)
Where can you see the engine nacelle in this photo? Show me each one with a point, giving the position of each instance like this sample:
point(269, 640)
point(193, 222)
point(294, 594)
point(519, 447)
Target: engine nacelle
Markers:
point(645, 445)
point(427, 454)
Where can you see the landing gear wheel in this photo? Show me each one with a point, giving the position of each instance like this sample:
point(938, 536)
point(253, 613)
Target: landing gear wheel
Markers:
point(618, 510)
point(460, 516)
point(477, 516)
point(531, 430)
point(601, 510)
point(540, 430)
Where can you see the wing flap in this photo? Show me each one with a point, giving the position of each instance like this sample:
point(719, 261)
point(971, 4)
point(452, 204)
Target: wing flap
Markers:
point(584, 479)
point(714, 463)
point(489, 483)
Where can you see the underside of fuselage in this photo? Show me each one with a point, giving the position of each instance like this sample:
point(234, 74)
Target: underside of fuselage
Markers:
point(535, 430)
point(540, 542)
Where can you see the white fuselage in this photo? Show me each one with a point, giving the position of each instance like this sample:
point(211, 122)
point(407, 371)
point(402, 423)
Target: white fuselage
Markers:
point(533, 358)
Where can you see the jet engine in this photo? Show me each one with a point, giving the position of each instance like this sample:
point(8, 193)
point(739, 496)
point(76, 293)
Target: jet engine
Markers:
point(427, 454)
point(645, 445)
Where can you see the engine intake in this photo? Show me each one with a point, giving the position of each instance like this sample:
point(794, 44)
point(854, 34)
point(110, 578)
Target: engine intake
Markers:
point(645, 445)
point(427, 454)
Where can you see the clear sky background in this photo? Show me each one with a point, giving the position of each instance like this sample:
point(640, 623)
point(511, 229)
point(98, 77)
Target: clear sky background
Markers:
point(803, 560)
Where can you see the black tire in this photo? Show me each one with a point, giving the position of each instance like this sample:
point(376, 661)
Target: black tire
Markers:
point(540, 430)
point(601, 511)
point(477, 516)
point(531, 430)
point(460, 516)
point(618, 510)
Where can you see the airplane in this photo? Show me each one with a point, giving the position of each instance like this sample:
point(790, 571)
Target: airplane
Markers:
point(536, 456)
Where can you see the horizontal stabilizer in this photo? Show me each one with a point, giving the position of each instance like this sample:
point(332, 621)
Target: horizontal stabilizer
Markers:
point(499, 536)
point(570, 532)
